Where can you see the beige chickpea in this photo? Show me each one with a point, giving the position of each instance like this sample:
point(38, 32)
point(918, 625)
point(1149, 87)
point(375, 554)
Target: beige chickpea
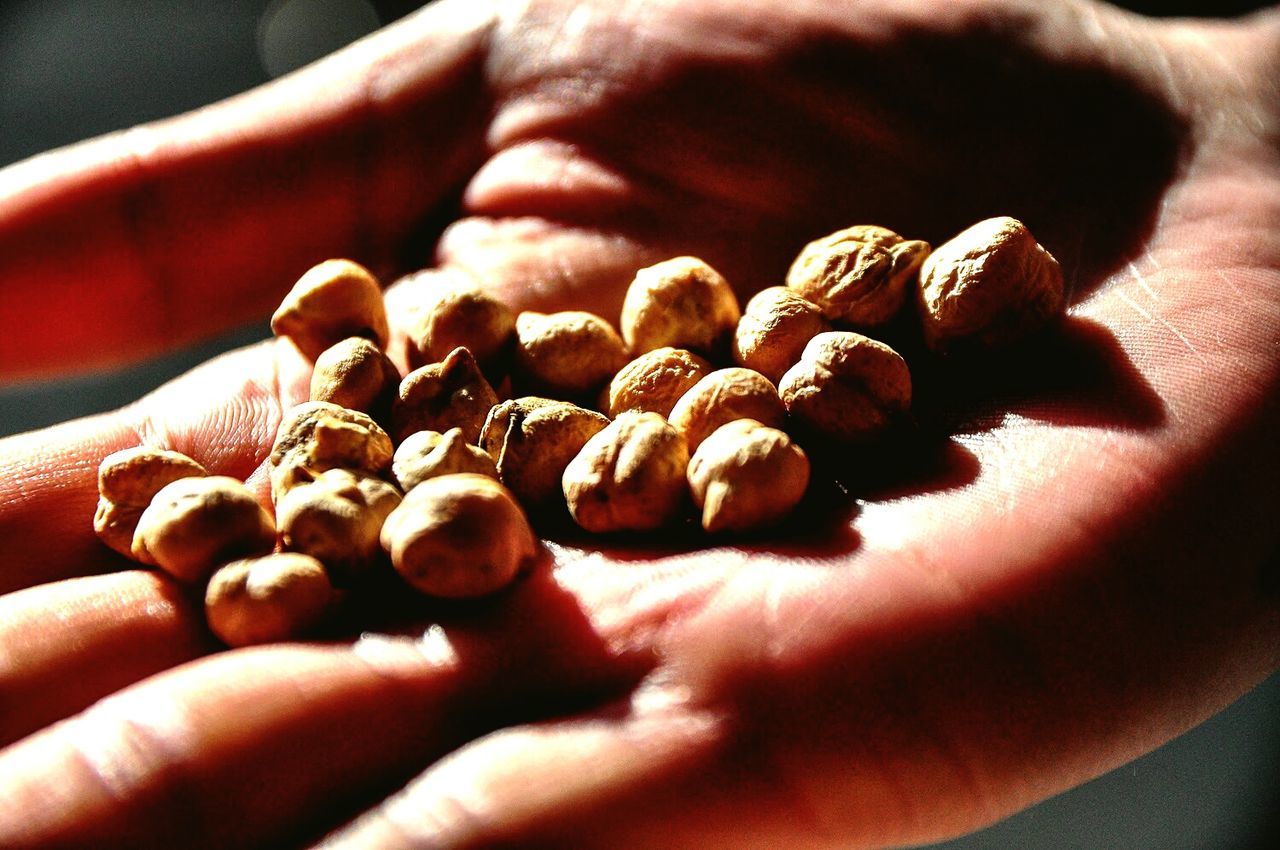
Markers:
point(357, 375)
point(458, 536)
point(450, 394)
point(194, 524)
point(454, 316)
point(775, 326)
point(747, 476)
point(990, 286)
point(568, 354)
point(679, 303)
point(332, 301)
point(336, 519)
point(630, 476)
point(127, 481)
point(318, 435)
point(276, 597)
point(532, 440)
point(847, 388)
point(654, 381)
point(430, 454)
point(859, 275)
point(723, 396)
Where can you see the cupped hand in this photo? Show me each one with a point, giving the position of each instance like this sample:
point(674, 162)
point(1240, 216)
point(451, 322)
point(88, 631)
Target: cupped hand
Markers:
point(1074, 564)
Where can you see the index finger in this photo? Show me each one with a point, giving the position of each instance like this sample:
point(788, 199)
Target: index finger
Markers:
point(167, 232)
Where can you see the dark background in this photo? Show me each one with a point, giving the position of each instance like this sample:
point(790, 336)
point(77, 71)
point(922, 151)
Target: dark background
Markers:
point(72, 69)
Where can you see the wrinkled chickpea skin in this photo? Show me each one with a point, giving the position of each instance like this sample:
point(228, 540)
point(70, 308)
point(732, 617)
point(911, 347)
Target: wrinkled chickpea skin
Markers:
point(775, 326)
point(654, 381)
point(532, 440)
point(628, 477)
point(723, 396)
point(990, 286)
point(847, 388)
point(316, 436)
point(860, 275)
point(747, 476)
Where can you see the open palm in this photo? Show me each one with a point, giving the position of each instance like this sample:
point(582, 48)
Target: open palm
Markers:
point(1073, 564)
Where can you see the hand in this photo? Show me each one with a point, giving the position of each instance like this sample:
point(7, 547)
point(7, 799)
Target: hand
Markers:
point(1085, 569)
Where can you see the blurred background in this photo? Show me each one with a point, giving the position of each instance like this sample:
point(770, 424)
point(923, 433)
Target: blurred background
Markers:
point(72, 69)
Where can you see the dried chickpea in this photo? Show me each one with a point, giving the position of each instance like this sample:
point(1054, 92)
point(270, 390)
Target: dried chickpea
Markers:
point(275, 597)
point(629, 476)
point(775, 326)
point(194, 524)
point(332, 301)
point(991, 285)
point(450, 394)
point(461, 316)
point(430, 454)
point(858, 275)
point(847, 387)
point(679, 303)
point(458, 535)
point(746, 476)
point(318, 435)
point(723, 396)
point(532, 440)
point(654, 381)
point(567, 354)
point(127, 481)
point(336, 519)
point(357, 375)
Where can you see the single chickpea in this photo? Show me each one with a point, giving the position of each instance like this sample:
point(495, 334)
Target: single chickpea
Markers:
point(459, 536)
point(332, 301)
point(679, 303)
point(272, 598)
point(194, 524)
point(747, 476)
point(568, 354)
point(847, 388)
point(336, 519)
point(630, 476)
point(450, 394)
point(430, 454)
point(357, 375)
point(988, 287)
point(461, 316)
point(859, 275)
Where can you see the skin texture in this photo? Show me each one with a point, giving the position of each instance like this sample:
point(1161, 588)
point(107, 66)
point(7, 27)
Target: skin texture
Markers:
point(1089, 570)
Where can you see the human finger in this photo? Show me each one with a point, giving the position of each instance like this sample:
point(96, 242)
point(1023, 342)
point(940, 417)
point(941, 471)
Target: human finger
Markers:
point(68, 644)
point(260, 746)
point(148, 238)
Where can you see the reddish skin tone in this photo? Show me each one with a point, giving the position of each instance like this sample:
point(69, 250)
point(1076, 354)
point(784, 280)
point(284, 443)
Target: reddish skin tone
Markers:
point(1099, 575)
